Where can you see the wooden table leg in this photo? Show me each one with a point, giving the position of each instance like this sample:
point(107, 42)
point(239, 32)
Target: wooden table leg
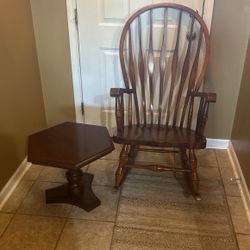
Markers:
point(77, 191)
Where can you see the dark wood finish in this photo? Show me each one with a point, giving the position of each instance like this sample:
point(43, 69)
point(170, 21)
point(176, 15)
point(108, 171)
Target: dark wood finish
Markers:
point(71, 146)
point(169, 118)
point(184, 73)
point(174, 68)
point(160, 136)
point(163, 63)
point(132, 77)
point(76, 193)
point(151, 66)
point(122, 170)
point(194, 175)
point(141, 71)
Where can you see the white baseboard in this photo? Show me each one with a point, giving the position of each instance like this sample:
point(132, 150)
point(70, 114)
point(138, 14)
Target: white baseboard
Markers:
point(217, 143)
point(211, 143)
point(239, 175)
point(227, 144)
point(13, 182)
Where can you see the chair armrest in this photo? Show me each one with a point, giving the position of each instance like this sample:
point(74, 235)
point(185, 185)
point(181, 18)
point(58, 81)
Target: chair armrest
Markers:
point(209, 97)
point(116, 92)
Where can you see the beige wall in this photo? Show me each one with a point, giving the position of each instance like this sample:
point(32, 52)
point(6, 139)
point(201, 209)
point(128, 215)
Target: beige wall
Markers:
point(229, 36)
point(51, 34)
point(229, 39)
point(21, 104)
point(241, 128)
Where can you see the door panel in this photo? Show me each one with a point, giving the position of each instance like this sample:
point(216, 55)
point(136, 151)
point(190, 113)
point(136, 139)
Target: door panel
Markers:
point(114, 9)
point(100, 25)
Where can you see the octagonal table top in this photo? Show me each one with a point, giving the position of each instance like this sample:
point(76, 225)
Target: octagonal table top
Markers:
point(69, 145)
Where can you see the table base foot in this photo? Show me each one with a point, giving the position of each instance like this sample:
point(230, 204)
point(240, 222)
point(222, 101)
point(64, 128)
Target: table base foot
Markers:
point(84, 198)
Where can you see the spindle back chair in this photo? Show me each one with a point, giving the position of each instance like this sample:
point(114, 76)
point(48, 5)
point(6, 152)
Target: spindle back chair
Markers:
point(164, 51)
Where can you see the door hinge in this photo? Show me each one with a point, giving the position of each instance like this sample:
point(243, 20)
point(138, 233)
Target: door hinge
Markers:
point(82, 108)
point(76, 17)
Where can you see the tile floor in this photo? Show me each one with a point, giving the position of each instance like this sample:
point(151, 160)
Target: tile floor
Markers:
point(26, 222)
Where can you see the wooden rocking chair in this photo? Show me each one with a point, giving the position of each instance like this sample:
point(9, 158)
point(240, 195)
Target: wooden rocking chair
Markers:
point(164, 51)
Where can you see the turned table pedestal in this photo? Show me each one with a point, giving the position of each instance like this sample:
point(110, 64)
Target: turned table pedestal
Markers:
point(71, 146)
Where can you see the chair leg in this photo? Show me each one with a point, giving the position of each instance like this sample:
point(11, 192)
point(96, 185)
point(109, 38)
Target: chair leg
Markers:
point(132, 153)
point(184, 158)
point(121, 171)
point(194, 174)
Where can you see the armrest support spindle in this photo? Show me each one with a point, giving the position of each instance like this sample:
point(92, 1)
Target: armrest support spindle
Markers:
point(205, 100)
point(118, 93)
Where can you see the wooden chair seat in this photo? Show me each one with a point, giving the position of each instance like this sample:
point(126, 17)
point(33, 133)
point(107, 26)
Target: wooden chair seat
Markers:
point(160, 136)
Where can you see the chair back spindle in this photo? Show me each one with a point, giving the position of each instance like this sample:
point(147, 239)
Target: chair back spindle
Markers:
point(164, 51)
point(164, 54)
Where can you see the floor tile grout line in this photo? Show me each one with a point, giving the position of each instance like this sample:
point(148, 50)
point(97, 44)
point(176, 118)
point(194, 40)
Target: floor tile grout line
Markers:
point(61, 232)
point(246, 234)
point(51, 181)
point(91, 220)
point(40, 215)
point(50, 216)
point(6, 212)
point(64, 217)
point(18, 207)
point(32, 179)
point(234, 196)
point(6, 228)
point(34, 183)
point(116, 215)
point(99, 185)
point(224, 195)
point(117, 210)
point(64, 224)
point(230, 215)
point(32, 215)
point(21, 203)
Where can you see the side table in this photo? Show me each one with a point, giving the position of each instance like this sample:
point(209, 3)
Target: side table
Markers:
point(71, 146)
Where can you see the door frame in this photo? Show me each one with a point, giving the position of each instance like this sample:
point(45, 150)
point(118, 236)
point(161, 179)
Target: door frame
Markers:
point(75, 50)
point(71, 6)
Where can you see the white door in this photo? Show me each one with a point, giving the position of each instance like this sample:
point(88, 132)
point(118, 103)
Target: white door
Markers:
point(100, 23)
